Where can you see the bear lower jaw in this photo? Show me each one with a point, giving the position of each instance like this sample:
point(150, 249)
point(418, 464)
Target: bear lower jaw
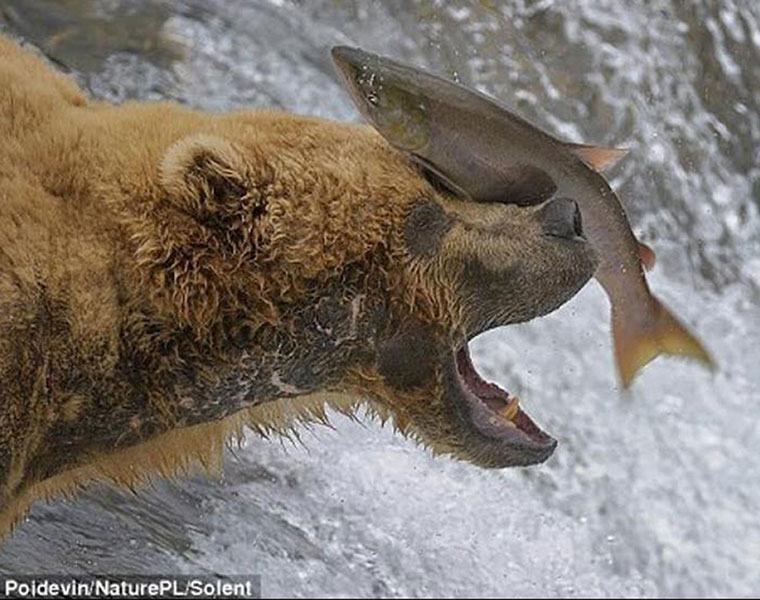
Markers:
point(494, 431)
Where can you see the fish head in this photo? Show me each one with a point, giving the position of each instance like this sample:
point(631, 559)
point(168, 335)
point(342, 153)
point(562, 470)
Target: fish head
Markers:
point(387, 96)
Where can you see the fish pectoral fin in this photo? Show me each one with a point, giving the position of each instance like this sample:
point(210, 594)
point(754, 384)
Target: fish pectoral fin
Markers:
point(437, 178)
point(597, 157)
point(635, 346)
point(523, 185)
point(646, 255)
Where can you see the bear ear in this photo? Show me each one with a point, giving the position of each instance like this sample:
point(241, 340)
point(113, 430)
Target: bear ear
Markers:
point(203, 173)
point(208, 220)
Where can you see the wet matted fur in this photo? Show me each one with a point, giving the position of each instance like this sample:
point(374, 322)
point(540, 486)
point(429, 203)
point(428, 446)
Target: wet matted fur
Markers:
point(168, 276)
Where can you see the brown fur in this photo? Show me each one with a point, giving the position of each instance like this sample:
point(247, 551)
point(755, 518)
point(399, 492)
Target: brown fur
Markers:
point(168, 276)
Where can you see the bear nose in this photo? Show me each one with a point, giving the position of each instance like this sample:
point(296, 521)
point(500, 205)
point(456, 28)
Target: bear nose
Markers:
point(561, 217)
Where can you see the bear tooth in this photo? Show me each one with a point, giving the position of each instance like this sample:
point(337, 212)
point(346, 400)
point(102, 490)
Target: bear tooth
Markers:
point(509, 412)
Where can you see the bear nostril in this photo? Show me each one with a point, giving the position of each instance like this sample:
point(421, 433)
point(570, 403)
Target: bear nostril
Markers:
point(561, 217)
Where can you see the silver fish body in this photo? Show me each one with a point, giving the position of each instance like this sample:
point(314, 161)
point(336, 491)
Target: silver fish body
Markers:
point(481, 150)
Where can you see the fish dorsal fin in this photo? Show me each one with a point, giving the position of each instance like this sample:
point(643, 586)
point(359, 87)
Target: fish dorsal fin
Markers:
point(597, 157)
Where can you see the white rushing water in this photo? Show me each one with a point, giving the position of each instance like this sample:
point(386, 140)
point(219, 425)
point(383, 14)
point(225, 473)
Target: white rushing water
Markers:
point(656, 492)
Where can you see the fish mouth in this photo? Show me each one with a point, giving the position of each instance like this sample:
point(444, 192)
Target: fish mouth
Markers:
point(495, 431)
point(398, 112)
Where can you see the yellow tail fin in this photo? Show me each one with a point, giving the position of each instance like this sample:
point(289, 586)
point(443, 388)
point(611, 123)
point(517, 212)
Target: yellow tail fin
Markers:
point(636, 345)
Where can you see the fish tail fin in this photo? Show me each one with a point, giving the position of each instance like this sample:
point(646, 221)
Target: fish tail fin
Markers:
point(635, 346)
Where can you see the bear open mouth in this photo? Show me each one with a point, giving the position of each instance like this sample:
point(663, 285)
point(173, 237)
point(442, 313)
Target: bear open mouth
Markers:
point(497, 416)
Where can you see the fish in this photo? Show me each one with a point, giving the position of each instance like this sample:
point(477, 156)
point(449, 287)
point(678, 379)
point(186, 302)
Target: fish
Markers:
point(477, 148)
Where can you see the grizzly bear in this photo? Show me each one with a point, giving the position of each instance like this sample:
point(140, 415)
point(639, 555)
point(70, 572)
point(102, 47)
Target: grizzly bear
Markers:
point(168, 276)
